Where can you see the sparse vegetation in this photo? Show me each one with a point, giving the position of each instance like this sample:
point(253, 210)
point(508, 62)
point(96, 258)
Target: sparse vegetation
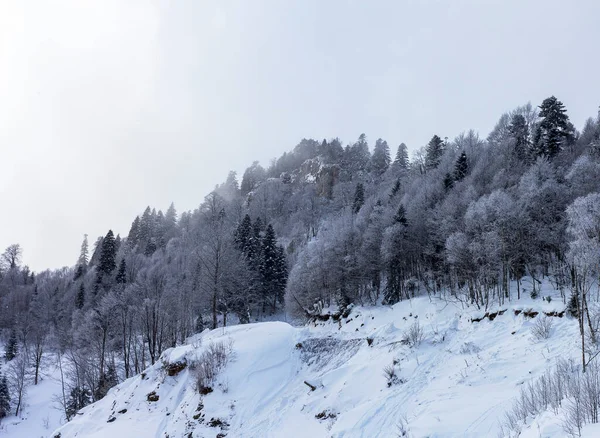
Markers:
point(210, 363)
point(542, 328)
point(414, 335)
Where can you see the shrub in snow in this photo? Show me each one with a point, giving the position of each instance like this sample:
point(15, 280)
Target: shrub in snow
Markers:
point(469, 348)
point(565, 386)
point(210, 363)
point(391, 376)
point(542, 327)
point(414, 335)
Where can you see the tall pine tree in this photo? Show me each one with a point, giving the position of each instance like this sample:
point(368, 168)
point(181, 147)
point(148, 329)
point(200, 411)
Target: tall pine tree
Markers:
point(434, 152)
point(461, 167)
point(107, 254)
point(401, 160)
point(12, 347)
point(4, 398)
point(554, 130)
point(359, 198)
point(380, 160)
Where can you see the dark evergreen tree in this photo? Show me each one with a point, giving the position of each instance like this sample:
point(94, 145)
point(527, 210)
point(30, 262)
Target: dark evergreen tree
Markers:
point(12, 347)
point(134, 233)
point(519, 132)
point(448, 181)
point(359, 198)
point(79, 398)
point(145, 229)
point(121, 277)
point(107, 255)
point(243, 236)
point(401, 160)
point(400, 216)
point(380, 160)
point(434, 152)
point(79, 272)
point(395, 189)
point(461, 167)
point(268, 268)
point(4, 398)
point(555, 130)
point(80, 298)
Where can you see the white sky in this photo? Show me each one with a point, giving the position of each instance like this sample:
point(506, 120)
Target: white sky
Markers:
point(107, 106)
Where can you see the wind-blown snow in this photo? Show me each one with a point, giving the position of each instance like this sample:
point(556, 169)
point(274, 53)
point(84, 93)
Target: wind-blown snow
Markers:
point(458, 382)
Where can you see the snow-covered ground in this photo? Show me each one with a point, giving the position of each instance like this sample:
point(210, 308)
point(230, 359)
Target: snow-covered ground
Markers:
point(457, 383)
point(41, 413)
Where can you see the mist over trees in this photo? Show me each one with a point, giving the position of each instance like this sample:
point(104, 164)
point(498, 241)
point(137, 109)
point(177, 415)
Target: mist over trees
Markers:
point(323, 227)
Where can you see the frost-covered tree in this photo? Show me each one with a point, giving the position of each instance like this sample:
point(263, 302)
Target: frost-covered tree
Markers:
point(107, 254)
point(554, 130)
point(401, 160)
point(380, 160)
point(434, 152)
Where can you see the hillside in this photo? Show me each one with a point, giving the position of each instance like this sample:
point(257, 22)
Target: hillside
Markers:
point(458, 381)
point(470, 224)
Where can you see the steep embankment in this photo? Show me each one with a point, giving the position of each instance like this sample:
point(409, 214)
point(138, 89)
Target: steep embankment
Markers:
point(458, 381)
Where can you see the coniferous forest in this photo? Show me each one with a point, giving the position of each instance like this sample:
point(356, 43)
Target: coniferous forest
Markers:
point(325, 226)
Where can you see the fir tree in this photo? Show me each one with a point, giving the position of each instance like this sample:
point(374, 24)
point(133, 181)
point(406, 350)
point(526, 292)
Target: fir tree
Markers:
point(461, 167)
point(79, 398)
point(448, 181)
point(4, 398)
point(380, 160)
point(519, 132)
point(108, 254)
point(268, 267)
point(359, 198)
point(400, 216)
point(80, 298)
point(555, 130)
point(134, 233)
point(121, 277)
point(79, 272)
point(401, 160)
point(243, 235)
point(395, 189)
point(12, 347)
point(84, 252)
point(434, 152)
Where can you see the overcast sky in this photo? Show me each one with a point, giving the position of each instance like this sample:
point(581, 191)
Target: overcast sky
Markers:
point(108, 106)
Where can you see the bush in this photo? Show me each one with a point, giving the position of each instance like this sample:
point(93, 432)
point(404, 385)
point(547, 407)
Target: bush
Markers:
point(565, 386)
point(414, 335)
point(469, 348)
point(391, 376)
point(210, 363)
point(542, 327)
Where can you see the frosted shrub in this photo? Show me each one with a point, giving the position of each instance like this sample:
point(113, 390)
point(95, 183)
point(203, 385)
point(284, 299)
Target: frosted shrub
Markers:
point(564, 386)
point(469, 348)
point(210, 363)
point(542, 327)
point(414, 335)
point(391, 376)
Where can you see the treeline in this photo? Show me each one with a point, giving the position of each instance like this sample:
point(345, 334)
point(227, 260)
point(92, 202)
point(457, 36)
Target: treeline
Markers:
point(324, 226)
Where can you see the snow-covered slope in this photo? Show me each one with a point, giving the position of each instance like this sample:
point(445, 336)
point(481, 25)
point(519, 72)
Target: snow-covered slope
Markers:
point(458, 382)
